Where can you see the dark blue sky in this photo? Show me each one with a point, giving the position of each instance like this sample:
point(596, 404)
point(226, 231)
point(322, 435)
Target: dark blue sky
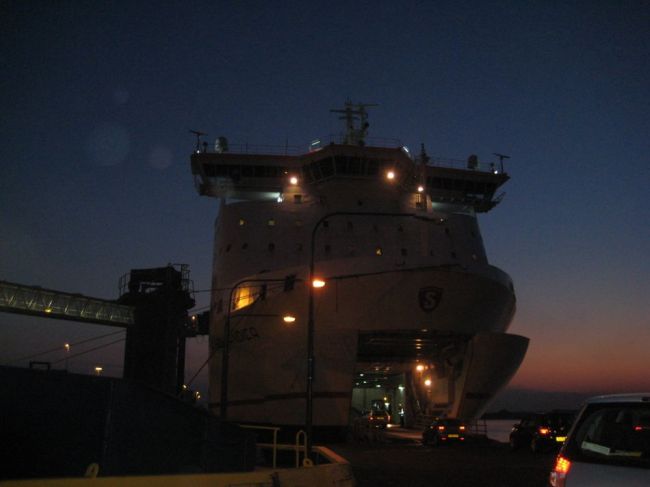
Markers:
point(97, 99)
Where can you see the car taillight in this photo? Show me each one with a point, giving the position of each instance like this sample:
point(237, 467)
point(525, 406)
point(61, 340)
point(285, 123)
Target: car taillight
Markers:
point(461, 427)
point(543, 431)
point(560, 471)
point(441, 428)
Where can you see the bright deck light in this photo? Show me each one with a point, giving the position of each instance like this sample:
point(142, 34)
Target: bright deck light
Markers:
point(293, 180)
point(289, 318)
point(390, 175)
point(420, 188)
point(427, 382)
point(419, 368)
point(98, 370)
point(318, 283)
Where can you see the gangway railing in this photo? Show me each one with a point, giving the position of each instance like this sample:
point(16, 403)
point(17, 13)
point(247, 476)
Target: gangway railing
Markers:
point(48, 303)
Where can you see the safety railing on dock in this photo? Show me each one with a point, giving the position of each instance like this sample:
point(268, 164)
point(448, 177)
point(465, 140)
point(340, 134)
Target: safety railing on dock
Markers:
point(299, 448)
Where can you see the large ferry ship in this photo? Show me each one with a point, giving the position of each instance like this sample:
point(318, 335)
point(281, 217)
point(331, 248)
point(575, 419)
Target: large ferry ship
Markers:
point(353, 276)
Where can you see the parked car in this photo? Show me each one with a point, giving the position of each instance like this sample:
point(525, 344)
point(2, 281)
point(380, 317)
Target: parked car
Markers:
point(609, 444)
point(444, 430)
point(541, 432)
point(375, 418)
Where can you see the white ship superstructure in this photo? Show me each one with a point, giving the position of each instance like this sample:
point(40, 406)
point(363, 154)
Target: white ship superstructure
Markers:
point(411, 317)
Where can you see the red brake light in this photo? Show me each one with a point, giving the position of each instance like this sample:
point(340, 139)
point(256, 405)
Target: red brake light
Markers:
point(560, 471)
point(562, 465)
point(638, 428)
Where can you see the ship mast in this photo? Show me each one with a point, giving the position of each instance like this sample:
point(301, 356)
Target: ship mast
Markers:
point(351, 113)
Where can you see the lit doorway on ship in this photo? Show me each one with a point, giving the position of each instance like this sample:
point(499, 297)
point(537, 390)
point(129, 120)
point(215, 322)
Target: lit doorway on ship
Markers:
point(378, 390)
point(414, 375)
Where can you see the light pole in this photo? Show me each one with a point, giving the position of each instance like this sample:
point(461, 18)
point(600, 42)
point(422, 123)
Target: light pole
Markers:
point(309, 410)
point(223, 405)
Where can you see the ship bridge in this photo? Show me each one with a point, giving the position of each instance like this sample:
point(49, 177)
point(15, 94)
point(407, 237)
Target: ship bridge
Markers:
point(244, 174)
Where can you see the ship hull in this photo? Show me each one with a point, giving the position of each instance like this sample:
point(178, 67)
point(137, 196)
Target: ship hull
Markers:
point(449, 321)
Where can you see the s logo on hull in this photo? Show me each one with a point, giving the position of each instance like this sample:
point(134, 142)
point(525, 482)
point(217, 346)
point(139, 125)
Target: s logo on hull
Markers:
point(429, 298)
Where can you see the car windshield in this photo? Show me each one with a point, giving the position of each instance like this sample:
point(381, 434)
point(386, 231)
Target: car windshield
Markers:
point(558, 420)
point(450, 422)
point(617, 434)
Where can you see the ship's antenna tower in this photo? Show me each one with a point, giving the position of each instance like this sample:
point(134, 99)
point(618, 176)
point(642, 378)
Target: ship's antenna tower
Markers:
point(351, 113)
point(501, 158)
point(198, 139)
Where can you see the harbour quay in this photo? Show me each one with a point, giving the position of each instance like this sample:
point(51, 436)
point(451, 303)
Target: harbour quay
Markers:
point(393, 462)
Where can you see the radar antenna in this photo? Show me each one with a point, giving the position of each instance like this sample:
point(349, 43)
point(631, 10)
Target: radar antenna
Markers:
point(351, 113)
point(198, 139)
point(501, 158)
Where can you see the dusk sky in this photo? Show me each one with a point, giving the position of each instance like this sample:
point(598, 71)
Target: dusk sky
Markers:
point(97, 100)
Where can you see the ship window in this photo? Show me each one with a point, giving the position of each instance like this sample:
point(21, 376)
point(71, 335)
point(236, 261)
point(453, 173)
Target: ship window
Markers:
point(350, 226)
point(242, 222)
point(271, 247)
point(400, 229)
point(375, 228)
point(328, 249)
point(245, 296)
point(299, 247)
point(271, 222)
point(228, 248)
point(297, 198)
point(360, 202)
point(453, 255)
point(298, 223)
point(379, 251)
point(244, 246)
point(432, 253)
point(447, 230)
point(404, 252)
point(419, 201)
